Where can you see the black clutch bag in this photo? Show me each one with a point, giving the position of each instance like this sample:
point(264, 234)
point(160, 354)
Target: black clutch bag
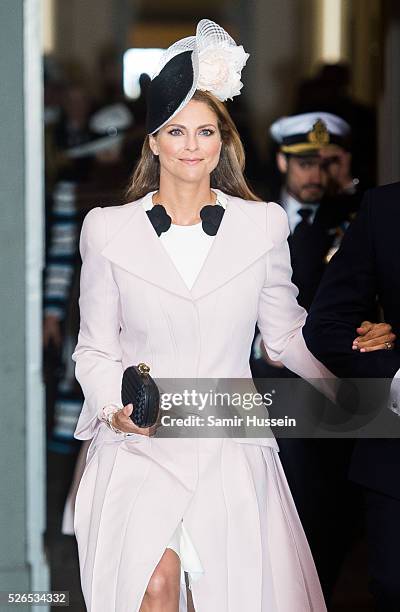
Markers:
point(138, 388)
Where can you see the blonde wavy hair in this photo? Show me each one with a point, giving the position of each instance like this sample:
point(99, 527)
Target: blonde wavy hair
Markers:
point(227, 176)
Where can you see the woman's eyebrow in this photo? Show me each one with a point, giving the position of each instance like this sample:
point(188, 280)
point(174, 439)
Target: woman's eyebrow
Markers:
point(185, 127)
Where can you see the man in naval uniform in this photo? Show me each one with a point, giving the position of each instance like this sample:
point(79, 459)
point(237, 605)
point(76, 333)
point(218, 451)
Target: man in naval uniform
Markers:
point(314, 160)
point(316, 221)
point(316, 469)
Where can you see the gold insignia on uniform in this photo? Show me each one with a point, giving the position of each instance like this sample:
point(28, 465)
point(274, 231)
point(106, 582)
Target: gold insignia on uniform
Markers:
point(337, 241)
point(319, 135)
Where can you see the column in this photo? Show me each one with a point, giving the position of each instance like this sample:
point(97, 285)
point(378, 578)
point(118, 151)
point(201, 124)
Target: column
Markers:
point(22, 456)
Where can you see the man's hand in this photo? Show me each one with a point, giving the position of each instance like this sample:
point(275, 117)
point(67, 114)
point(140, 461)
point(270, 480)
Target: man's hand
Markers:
point(374, 337)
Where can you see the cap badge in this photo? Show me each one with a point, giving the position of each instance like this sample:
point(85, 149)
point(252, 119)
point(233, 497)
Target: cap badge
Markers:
point(319, 135)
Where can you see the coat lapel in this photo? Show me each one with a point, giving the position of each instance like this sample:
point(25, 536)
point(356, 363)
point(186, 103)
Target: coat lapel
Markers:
point(241, 239)
point(137, 248)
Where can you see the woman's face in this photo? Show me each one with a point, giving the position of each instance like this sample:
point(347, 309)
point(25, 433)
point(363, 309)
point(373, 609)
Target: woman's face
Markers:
point(189, 145)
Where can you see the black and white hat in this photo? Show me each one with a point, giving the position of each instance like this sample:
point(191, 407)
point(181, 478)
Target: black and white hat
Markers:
point(209, 61)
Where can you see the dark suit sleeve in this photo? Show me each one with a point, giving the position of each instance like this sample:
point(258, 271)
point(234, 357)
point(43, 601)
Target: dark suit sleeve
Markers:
point(346, 297)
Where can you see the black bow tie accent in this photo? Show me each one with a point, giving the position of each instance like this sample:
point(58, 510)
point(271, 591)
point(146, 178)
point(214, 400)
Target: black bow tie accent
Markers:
point(210, 215)
point(160, 219)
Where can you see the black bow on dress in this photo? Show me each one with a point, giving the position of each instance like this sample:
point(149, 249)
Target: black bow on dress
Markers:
point(160, 219)
point(210, 215)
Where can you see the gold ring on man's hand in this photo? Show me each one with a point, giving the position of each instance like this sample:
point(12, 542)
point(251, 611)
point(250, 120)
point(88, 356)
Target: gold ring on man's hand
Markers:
point(388, 345)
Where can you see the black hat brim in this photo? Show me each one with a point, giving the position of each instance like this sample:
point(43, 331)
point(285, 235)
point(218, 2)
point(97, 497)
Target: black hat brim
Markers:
point(168, 91)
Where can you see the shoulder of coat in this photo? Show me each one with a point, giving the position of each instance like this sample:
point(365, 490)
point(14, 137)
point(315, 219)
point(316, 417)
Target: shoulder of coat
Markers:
point(122, 209)
point(260, 210)
point(111, 218)
point(248, 206)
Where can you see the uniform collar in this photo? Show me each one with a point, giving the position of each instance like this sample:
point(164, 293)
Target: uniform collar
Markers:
point(292, 207)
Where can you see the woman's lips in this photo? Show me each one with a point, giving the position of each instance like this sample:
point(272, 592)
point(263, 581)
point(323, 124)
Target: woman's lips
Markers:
point(191, 162)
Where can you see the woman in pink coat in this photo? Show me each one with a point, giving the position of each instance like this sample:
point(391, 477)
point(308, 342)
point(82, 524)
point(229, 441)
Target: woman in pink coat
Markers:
point(178, 278)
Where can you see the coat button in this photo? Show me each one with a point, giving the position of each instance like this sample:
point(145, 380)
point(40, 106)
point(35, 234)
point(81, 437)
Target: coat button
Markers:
point(395, 405)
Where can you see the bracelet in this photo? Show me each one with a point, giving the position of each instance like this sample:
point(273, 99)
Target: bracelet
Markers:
point(109, 419)
point(107, 415)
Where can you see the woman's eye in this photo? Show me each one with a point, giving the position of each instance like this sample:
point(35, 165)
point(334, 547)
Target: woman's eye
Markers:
point(207, 132)
point(175, 132)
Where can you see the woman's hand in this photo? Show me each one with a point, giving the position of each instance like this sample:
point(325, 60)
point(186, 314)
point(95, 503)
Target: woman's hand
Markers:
point(121, 421)
point(374, 337)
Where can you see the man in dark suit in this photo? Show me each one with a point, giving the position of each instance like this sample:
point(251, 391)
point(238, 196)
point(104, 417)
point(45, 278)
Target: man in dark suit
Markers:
point(366, 267)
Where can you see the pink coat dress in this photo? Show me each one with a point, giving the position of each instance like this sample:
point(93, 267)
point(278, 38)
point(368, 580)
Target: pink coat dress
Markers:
point(230, 493)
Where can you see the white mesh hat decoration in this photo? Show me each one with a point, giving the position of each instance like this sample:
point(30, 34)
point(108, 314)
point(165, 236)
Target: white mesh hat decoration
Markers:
point(210, 61)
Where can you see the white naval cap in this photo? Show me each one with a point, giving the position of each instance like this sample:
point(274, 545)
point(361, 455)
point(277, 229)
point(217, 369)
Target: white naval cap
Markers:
point(309, 132)
point(111, 119)
point(107, 126)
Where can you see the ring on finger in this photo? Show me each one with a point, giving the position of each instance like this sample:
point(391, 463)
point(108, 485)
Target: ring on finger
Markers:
point(388, 345)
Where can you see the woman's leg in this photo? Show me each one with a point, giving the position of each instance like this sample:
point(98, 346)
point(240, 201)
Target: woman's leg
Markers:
point(162, 593)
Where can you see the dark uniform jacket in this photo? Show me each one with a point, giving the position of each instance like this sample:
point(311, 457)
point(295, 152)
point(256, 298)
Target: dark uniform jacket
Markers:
point(366, 267)
point(311, 247)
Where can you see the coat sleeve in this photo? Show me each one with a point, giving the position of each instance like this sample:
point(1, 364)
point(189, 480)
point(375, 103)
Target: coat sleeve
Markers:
point(97, 355)
point(346, 296)
point(280, 317)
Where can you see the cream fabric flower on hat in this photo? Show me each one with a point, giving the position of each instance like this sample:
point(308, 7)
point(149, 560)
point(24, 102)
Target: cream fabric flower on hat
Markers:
point(220, 70)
